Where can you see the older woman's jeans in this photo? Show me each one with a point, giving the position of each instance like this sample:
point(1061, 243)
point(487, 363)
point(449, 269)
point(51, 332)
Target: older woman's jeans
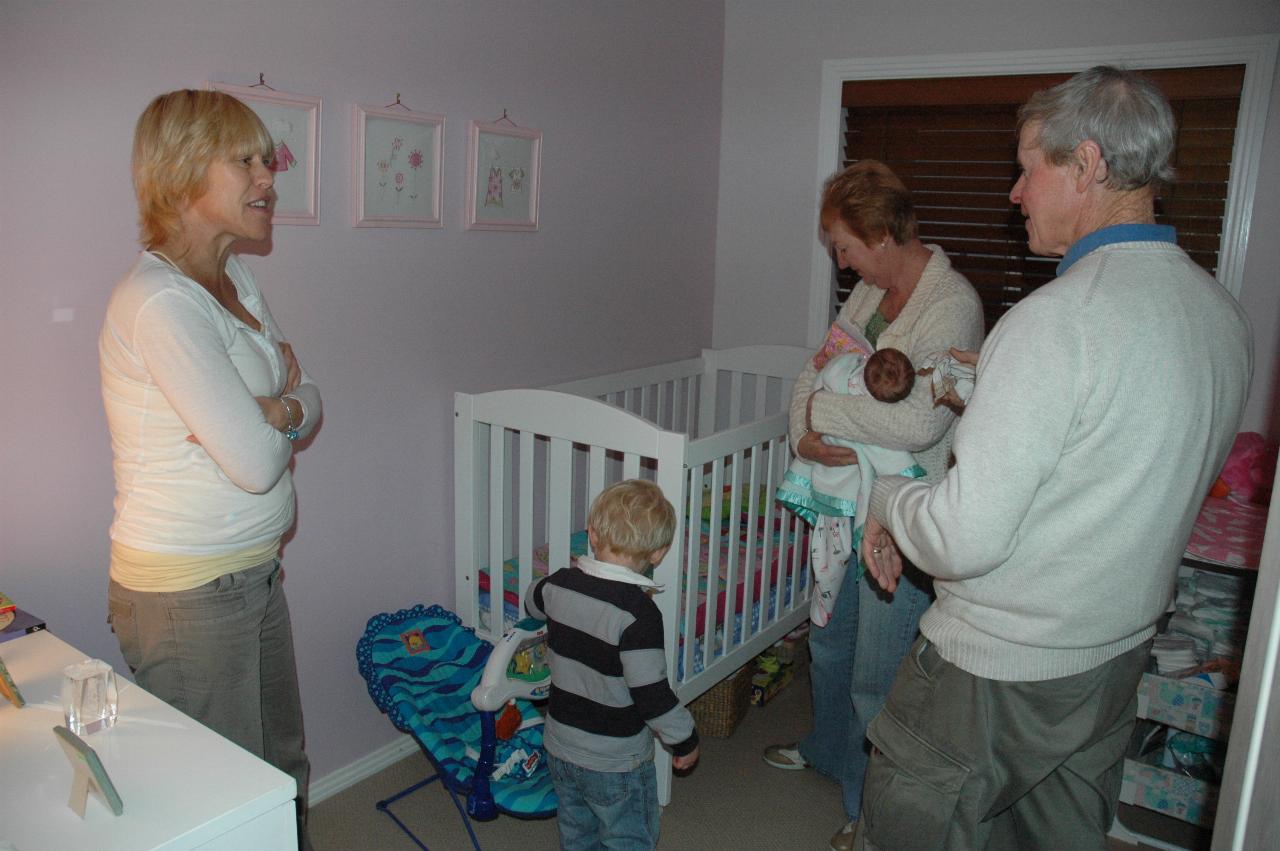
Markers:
point(855, 658)
point(617, 810)
point(223, 654)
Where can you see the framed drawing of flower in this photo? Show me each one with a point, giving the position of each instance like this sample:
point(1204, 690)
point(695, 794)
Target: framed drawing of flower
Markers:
point(503, 177)
point(396, 167)
point(294, 124)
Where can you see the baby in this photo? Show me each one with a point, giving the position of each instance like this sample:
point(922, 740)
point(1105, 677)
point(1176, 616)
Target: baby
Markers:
point(830, 497)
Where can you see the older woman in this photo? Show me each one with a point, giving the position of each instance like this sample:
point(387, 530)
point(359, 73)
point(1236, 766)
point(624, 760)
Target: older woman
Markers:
point(908, 298)
point(204, 401)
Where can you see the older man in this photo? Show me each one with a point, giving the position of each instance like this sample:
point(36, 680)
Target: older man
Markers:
point(1105, 404)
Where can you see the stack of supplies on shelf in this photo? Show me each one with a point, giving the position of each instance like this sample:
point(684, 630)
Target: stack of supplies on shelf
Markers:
point(1210, 620)
point(1186, 754)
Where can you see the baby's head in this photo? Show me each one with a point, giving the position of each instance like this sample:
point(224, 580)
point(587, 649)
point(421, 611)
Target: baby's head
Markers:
point(631, 523)
point(889, 375)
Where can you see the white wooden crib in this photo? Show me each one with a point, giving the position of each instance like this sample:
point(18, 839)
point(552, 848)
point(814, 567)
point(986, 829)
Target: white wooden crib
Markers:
point(710, 431)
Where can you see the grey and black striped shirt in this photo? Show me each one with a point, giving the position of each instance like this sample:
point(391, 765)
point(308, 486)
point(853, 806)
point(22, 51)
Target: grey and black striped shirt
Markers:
point(609, 684)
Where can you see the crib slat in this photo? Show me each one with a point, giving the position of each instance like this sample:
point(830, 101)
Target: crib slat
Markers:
point(525, 516)
point(559, 502)
point(713, 562)
point(762, 393)
point(689, 565)
point(497, 529)
point(773, 514)
point(754, 566)
point(595, 473)
point(630, 465)
point(734, 533)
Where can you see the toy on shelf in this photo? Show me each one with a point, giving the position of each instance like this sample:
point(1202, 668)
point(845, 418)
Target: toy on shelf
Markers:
point(517, 668)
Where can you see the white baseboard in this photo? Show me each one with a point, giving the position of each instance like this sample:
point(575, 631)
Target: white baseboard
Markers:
point(367, 766)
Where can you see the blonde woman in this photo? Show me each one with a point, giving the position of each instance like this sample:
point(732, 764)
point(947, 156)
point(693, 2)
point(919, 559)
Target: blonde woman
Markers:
point(205, 402)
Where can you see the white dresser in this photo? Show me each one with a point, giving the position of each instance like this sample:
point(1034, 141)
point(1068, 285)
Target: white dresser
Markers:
point(183, 785)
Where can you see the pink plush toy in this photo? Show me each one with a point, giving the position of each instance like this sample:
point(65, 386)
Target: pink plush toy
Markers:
point(1250, 468)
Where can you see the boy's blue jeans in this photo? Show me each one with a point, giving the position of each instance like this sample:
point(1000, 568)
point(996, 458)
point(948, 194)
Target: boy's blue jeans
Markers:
point(606, 809)
point(855, 658)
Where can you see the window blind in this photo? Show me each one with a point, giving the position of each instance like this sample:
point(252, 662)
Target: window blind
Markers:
point(953, 142)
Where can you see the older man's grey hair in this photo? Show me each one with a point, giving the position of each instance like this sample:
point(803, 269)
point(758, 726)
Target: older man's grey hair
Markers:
point(1123, 112)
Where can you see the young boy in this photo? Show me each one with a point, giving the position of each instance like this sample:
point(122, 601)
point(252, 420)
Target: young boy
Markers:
point(609, 689)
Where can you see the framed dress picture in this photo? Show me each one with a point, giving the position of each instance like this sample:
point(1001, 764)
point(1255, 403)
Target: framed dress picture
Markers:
point(396, 167)
point(503, 176)
point(294, 124)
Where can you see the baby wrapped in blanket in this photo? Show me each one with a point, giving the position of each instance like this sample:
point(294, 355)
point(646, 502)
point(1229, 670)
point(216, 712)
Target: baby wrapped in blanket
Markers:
point(835, 499)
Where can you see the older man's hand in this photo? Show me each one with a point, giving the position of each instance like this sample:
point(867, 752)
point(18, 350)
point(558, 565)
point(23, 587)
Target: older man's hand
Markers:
point(880, 555)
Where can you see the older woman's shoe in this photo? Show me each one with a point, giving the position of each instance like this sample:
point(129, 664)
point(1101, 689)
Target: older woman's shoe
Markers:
point(843, 839)
point(786, 757)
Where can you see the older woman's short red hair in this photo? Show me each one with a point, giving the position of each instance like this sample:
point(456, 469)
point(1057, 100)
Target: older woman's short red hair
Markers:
point(870, 200)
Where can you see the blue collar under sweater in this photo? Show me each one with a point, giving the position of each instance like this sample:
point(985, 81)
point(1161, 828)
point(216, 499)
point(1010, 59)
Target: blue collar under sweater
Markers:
point(1114, 234)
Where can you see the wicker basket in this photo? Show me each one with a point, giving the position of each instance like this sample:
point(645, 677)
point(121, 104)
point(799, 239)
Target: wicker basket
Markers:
point(718, 711)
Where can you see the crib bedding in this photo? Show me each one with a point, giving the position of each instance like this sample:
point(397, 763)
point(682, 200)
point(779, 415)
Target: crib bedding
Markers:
point(746, 542)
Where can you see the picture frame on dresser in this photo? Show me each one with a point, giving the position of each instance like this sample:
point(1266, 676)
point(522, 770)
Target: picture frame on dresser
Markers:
point(504, 176)
point(293, 120)
point(396, 167)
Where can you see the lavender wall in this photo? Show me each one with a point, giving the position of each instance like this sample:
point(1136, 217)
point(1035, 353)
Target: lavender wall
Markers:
point(773, 66)
point(389, 321)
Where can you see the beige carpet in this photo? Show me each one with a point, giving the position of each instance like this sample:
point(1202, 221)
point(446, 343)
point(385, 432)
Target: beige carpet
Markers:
point(732, 801)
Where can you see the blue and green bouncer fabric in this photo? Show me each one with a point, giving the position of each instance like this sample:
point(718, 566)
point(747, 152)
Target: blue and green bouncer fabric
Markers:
point(420, 665)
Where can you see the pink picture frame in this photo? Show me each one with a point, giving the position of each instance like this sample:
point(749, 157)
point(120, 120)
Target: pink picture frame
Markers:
point(396, 167)
point(294, 124)
point(504, 177)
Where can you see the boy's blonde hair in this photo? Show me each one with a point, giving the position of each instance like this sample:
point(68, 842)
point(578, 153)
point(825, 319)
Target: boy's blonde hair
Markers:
point(178, 135)
point(633, 519)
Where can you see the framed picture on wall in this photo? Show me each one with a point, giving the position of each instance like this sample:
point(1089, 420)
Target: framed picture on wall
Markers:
point(396, 167)
point(294, 124)
point(503, 176)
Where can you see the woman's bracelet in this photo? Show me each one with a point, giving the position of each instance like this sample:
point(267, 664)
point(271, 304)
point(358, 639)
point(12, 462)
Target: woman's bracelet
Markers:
point(292, 431)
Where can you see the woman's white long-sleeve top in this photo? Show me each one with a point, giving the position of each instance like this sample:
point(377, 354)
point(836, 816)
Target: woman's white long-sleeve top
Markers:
point(175, 363)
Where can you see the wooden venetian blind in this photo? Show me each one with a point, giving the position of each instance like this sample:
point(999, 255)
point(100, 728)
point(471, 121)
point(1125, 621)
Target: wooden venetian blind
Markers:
point(953, 142)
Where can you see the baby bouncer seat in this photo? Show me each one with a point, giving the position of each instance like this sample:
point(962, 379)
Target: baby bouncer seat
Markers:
point(422, 667)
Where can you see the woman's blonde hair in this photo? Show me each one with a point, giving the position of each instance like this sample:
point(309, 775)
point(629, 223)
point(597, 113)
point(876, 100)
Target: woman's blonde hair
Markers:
point(870, 200)
point(633, 518)
point(178, 135)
